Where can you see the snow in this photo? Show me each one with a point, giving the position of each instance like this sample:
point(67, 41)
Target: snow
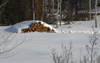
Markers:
point(37, 50)
point(98, 10)
point(37, 47)
point(25, 24)
point(78, 27)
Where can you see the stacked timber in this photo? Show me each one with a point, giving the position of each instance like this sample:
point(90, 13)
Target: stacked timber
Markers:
point(37, 27)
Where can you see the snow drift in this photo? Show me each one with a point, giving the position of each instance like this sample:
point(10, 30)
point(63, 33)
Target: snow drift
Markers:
point(25, 24)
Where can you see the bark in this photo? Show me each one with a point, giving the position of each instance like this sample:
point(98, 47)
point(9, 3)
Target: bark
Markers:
point(95, 13)
point(57, 15)
point(90, 9)
point(42, 11)
point(60, 12)
point(33, 11)
point(53, 13)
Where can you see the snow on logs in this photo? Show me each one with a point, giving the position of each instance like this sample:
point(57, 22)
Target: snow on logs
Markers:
point(37, 27)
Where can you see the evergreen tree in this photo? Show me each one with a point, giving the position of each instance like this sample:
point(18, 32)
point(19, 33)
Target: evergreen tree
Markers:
point(50, 11)
point(24, 10)
point(40, 13)
point(77, 10)
point(16, 11)
point(3, 4)
point(45, 19)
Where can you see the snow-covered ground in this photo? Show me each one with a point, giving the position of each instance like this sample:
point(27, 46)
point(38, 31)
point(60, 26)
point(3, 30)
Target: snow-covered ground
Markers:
point(37, 46)
point(25, 24)
point(98, 10)
point(80, 27)
point(74, 27)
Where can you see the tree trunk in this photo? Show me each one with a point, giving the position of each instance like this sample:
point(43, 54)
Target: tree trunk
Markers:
point(95, 13)
point(33, 11)
point(53, 14)
point(42, 11)
point(57, 15)
point(76, 7)
point(60, 12)
point(90, 9)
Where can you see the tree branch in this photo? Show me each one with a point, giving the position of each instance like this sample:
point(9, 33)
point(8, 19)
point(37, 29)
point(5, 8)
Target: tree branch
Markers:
point(4, 3)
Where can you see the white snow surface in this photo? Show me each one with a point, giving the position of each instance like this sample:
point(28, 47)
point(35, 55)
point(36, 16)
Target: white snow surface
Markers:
point(37, 47)
point(98, 10)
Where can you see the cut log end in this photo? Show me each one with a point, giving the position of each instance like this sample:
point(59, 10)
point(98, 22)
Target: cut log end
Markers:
point(37, 27)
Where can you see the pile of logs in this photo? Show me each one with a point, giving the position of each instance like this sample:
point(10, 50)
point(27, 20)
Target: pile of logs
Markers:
point(37, 27)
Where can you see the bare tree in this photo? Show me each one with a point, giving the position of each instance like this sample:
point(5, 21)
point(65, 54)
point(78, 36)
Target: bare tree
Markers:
point(66, 55)
point(42, 11)
point(60, 12)
point(95, 13)
point(6, 41)
point(53, 13)
point(90, 9)
point(98, 59)
point(92, 48)
point(91, 56)
point(33, 11)
point(2, 6)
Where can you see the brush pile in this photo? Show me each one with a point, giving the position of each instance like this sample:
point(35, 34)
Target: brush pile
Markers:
point(37, 27)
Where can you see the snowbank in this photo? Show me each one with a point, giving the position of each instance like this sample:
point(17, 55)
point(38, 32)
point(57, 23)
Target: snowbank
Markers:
point(25, 24)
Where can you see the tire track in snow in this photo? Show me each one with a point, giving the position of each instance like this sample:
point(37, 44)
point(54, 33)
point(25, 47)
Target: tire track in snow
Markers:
point(89, 32)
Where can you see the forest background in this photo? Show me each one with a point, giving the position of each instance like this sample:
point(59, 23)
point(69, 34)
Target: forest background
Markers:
point(21, 10)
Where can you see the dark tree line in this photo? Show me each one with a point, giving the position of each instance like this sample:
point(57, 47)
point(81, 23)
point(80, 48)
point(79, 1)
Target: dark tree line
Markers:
point(78, 10)
point(21, 10)
point(16, 11)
